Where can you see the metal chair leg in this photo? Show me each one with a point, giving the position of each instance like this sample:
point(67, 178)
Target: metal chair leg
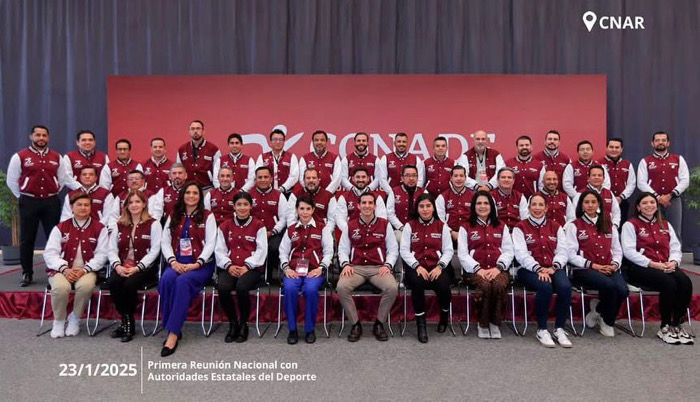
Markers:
point(157, 328)
point(583, 312)
point(143, 313)
point(342, 322)
point(525, 311)
point(43, 312)
point(204, 309)
point(630, 331)
point(93, 331)
point(325, 313)
point(279, 311)
point(405, 311)
point(388, 322)
point(452, 327)
point(690, 323)
point(644, 323)
point(466, 327)
point(571, 321)
point(257, 314)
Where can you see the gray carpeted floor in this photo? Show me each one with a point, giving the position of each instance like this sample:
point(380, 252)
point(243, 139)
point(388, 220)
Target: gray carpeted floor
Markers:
point(447, 368)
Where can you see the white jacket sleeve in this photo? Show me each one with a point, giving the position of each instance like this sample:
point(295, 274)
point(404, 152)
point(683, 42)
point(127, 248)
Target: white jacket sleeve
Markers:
point(447, 248)
point(381, 174)
point(506, 258)
point(500, 163)
point(628, 239)
point(405, 248)
point(155, 205)
point(572, 247)
point(606, 177)
point(374, 184)
point(107, 211)
point(561, 256)
point(616, 214)
point(113, 250)
point(52, 252)
point(221, 251)
point(293, 174)
point(570, 210)
point(330, 215)
point(327, 241)
point(217, 161)
point(207, 201)
point(106, 178)
point(99, 257)
point(421, 171)
point(630, 185)
point(258, 258)
point(14, 172)
point(281, 218)
point(285, 250)
point(616, 249)
point(523, 209)
point(250, 181)
point(675, 253)
point(391, 212)
point(568, 181)
point(209, 240)
point(341, 214)
point(440, 207)
point(291, 211)
point(392, 247)
point(643, 178)
point(67, 213)
point(65, 175)
point(522, 253)
point(464, 161)
point(154, 251)
point(683, 178)
point(302, 169)
point(335, 177)
point(345, 174)
point(68, 165)
point(469, 264)
point(215, 168)
point(344, 249)
point(166, 246)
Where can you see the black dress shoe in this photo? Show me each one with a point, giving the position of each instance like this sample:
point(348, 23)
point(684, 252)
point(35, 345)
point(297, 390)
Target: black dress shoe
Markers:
point(293, 337)
point(442, 324)
point(355, 332)
point(166, 338)
point(379, 332)
point(119, 331)
point(166, 351)
point(310, 337)
point(129, 328)
point(243, 336)
point(234, 330)
point(422, 329)
point(26, 280)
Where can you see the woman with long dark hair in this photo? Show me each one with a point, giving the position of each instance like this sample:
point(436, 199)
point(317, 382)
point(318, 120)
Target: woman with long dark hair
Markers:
point(134, 246)
point(652, 260)
point(485, 250)
point(594, 251)
point(187, 244)
point(426, 250)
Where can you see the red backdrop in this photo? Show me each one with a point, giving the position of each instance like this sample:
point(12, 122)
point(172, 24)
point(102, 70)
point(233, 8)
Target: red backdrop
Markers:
point(424, 106)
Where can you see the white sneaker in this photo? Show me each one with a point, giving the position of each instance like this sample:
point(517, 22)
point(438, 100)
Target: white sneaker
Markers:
point(483, 333)
point(545, 338)
point(593, 316)
point(605, 329)
point(59, 329)
point(668, 335)
point(495, 331)
point(73, 327)
point(683, 336)
point(560, 336)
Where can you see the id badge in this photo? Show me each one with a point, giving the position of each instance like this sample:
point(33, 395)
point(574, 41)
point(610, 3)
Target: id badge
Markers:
point(186, 247)
point(303, 267)
point(483, 177)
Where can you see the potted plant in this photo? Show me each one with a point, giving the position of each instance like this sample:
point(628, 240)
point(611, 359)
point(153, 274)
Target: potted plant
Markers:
point(9, 218)
point(692, 201)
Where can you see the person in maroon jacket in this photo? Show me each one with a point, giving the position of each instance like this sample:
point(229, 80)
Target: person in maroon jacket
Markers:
point(575, 177)
point(75, 251)
point(306, 251)
point(324, 202)
point(438, 168)
point(220, 200)
point(511, 205)
point(199, 157)
point(553, 159)
point(157, 167)
point(101, 198)
point(187, 244)
point(623, 180)
point(134, 251)
point(401, 200)
point(391, 165)
point(666, 176)
point(241, 248)
point(85, 155)
point(559, 206)
point(527, 169)
point(327, 164)
point(360, 157)
point(283, 164)
point(652, 260)
point(426, 250)
point(367, 252)
point(454, 204)
point(243, 166)
point(114, 175)
point(482, 163)
point(35, 176)
point(178, 177)
point(485, 250)
point(595, 254)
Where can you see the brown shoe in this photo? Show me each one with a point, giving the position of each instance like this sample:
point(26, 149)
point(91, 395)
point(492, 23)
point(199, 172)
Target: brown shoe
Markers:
point(355, 332)
point(379, 333)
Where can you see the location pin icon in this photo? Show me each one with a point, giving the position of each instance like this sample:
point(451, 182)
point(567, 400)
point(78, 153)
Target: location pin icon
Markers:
point(589, 19)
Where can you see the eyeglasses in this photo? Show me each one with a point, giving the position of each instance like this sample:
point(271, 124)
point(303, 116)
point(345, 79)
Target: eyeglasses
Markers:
point(410, 175)
point(277, 140)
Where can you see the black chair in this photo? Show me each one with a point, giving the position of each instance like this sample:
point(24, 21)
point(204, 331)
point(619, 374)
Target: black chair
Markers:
point(324, 288)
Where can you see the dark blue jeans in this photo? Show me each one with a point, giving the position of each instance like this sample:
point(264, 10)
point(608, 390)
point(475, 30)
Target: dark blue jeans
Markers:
point(612, 291)
point(560, 285)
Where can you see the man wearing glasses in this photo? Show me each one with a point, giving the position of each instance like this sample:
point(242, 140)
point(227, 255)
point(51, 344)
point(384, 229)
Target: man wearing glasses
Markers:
point(113, 177)
point(199, 157)
point(284, 165)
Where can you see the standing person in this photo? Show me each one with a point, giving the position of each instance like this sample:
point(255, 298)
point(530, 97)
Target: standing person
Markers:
point(454, 204)
point(360, 158)
point(594, 251)
point(575, 177)
point(438, 168)
point(391, 165)
point(241, 248)
point(199, 157)
point(134, 251)
point(85, 155)
point(75, 251)
point(623, 181)
point(324, 202)
point(596, 179)
point(485, 250)
point(401, 200)
point(114, 175)
point(157, 167)
point(653, 258)
point(666, 177)
point(178, 177)
point(220, 200)
point(270, 207)
point(552, 157)
point(426, 250)
point(102, 200)
point(242, 165)
point(326, 163)
point(559, 206)
point(511, 206)
point(482, 163)
point(526, 168)
point(367, 252)
point(284, 165)
point(187, 244)
point(539, 244)
point(35, 176)
point(306, 252)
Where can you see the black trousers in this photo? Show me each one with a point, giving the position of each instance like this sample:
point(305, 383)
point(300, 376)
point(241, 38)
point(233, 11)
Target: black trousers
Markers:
point(418, 285)
point(124, 291)
point(675, 290)
point(32, 211)
point(273, 255)
point(227, 284)
point(624, 212)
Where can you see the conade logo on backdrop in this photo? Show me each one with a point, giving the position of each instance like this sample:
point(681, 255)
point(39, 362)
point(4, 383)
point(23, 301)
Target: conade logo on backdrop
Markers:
point(423, 106)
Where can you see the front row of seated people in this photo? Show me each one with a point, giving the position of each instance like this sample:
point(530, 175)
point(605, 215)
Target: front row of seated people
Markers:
point(539, 248)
